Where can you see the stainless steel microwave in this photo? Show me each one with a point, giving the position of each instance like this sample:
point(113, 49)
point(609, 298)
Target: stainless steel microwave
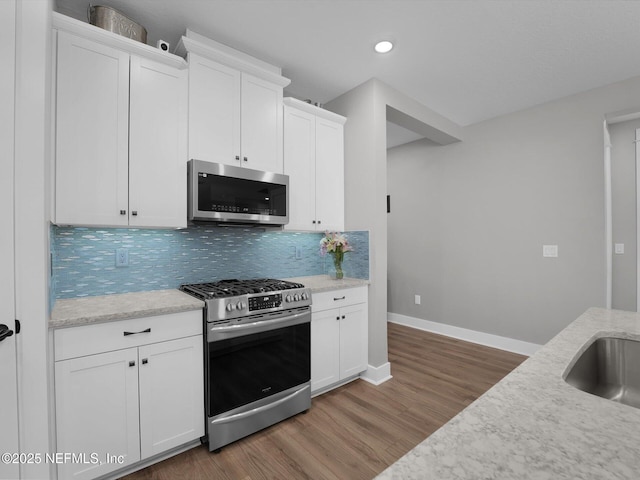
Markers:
point(236, 195)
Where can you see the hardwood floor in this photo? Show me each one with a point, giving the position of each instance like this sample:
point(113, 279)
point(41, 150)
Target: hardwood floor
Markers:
point(357, 430)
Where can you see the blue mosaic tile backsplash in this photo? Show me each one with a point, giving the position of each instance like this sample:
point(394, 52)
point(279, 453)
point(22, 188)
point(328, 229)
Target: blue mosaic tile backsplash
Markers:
point(83, 259)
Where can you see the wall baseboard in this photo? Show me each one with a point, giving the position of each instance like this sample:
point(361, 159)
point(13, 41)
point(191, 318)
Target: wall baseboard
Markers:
point(377, 375)
point(473, 336)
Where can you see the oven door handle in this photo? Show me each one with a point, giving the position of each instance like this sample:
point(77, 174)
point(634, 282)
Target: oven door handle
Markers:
point(264, 408)
point(231, 331)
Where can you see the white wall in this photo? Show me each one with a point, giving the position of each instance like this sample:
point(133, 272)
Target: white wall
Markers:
point(469, 220)
point(367, 108)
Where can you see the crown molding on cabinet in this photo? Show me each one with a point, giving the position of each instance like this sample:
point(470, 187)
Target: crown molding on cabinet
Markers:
point(86, 30)
point(312, 109)
point(212, 50)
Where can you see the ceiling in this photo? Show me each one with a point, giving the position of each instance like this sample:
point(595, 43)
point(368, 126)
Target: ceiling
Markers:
point(469, 60)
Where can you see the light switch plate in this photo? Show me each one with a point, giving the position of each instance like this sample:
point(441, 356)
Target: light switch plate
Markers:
point(619, 248)
point(550, 251)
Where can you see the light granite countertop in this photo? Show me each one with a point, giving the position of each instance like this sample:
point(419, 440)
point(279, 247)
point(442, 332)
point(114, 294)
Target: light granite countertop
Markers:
point(533, 425)
point(324, 283)
point(72, 312)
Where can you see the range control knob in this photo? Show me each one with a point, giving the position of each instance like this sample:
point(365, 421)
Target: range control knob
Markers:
point(240, 305)
point(304, 296)
point(296, 297)
point(288, 298)
point(229, 307)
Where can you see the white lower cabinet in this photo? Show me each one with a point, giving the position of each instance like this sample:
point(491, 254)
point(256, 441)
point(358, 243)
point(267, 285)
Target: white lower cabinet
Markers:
point(339, 336)
point(115, 408)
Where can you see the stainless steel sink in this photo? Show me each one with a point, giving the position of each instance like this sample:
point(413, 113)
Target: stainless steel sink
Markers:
point(609, 368)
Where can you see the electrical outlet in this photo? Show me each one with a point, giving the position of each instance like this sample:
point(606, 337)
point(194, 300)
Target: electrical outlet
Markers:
point(550, 251)
point(122, 257)
point(619, 249)
point(417, 299)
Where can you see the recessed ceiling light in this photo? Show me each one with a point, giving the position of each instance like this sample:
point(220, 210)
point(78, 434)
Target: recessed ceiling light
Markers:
point(384, 46)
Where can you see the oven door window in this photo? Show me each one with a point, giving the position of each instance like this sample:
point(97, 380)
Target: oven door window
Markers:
point(245, 369)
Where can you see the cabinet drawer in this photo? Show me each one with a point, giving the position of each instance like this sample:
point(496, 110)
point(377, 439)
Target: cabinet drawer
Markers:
point(104, 337)
point(338, 298)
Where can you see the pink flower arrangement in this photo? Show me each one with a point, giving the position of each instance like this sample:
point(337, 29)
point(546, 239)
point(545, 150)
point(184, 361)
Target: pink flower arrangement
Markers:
point(337, 245)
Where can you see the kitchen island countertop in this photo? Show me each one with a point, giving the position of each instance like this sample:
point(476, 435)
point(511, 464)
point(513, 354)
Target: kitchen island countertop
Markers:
point(73, 312)
point(533, 425)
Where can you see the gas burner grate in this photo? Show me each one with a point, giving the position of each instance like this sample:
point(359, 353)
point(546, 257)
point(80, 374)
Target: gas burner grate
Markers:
point(234, 287)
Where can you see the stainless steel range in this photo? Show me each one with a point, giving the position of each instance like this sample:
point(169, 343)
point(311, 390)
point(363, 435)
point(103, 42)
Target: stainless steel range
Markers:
point(257, 354)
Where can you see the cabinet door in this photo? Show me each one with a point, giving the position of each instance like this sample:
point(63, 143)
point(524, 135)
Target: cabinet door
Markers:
point(329, 175)
point(353, 340)
point(214, 111)
point(325, 348)
point(171, 394)
point(157, 145)
point(261, 125)
point(299, 164)
point(92, 132)
point(97, 412)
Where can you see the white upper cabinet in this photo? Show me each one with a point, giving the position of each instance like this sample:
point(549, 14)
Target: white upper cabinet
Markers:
point(261, 131)
point(120, 131)
point(299, 164)
point(214, 111)
point(235, 106)
point(157, 145)
point(314, 161)
point(92, 132)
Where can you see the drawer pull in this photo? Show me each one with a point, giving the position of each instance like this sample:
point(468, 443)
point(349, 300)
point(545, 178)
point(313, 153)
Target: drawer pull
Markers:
point(148, 330)
point(343, 317)
point(132, 363)
point(338, 317)
point(339, 298)
point(145, 361)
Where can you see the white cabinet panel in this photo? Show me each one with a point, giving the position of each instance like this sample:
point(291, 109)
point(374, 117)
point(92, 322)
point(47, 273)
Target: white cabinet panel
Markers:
point(339, 337)
point(325, 349)
point(97, 412)
point(299, 164)
point(261, 132)
point(329, 175)
point(314, 161)
point(92, 131)
point(214, 111)
point(157, 145)
point(353, 340)
point(171, 394)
